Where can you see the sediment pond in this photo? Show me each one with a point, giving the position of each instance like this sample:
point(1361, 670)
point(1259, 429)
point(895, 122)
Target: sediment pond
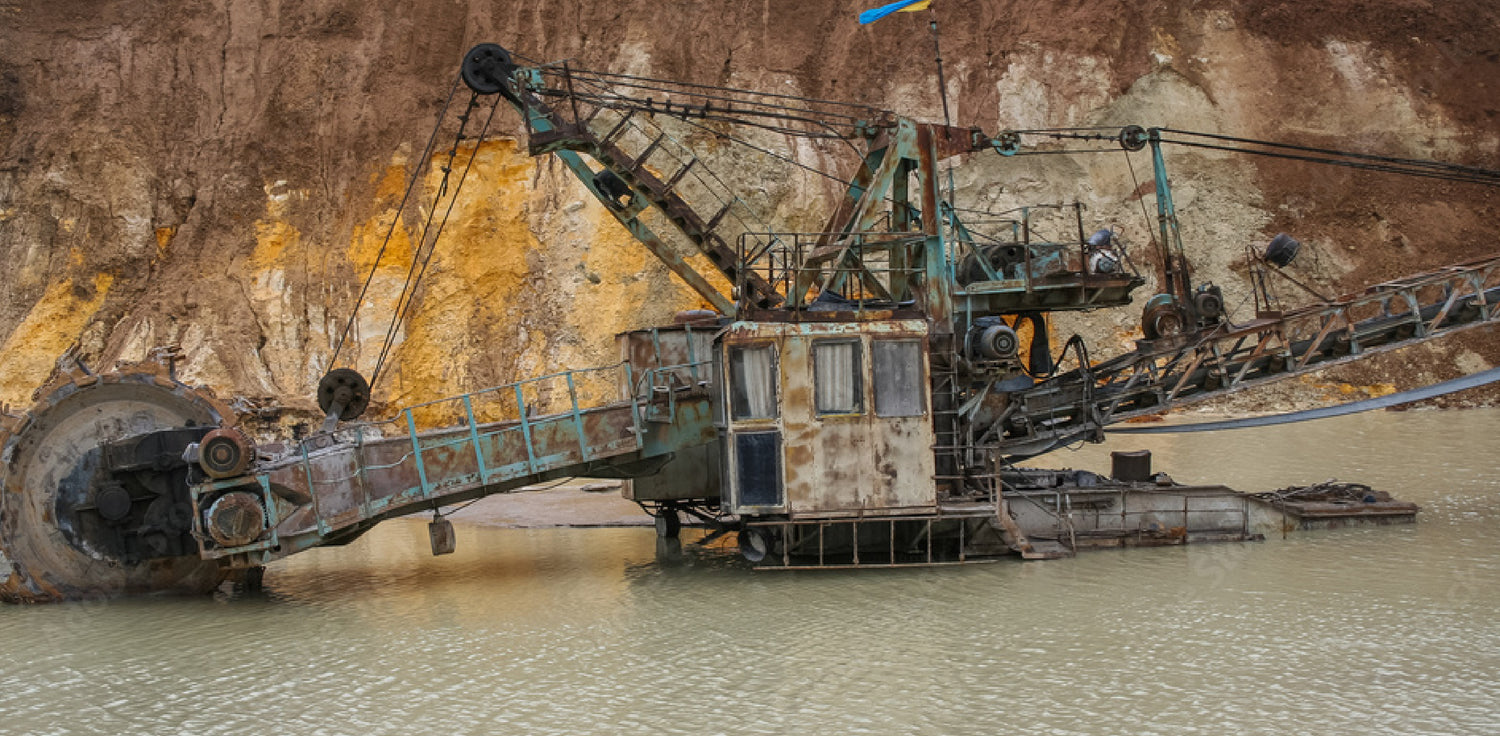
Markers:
point(570, 631)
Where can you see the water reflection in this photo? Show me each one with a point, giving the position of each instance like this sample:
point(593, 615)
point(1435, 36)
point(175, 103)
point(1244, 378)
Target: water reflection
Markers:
point(590, 631)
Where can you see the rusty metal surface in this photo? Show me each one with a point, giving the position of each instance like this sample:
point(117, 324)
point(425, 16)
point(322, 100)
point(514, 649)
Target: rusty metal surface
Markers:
point(49, 458)
point(916, 540)
point(866, 270)
point(336, 486)
point(440, 536)
point(1124, 514)
point(666, 363)
point(1189, 368)
point(693, 474)
point(225, 452)
point(631, 147)
point(1333, 504)
point(235, 518)
point(844, 464)
point(677, 356)
point(352, 483)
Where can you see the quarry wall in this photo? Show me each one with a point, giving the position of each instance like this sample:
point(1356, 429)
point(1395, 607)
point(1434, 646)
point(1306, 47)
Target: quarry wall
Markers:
point(219, 175)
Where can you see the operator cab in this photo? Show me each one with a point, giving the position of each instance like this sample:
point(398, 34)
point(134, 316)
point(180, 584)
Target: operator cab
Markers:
point(827, 419)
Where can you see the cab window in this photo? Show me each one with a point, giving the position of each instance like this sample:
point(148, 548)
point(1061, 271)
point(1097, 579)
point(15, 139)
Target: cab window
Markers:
point(899, 386)
point(752, 382)
point(837, 377)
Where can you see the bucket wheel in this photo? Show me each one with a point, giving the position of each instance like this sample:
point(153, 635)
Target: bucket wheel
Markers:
point(94, 489)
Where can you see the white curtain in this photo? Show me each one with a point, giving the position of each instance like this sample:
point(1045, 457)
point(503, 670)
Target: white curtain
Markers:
point(836, 374)
point(754, 383)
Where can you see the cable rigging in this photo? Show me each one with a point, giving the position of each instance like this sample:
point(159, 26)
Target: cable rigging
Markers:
point(426, 246)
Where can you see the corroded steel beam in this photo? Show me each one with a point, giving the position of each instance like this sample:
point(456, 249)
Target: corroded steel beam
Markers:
point(1188, 368)
point(330, 490)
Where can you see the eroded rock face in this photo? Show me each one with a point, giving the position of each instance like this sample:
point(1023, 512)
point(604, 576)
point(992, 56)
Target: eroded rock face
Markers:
point(221, 175)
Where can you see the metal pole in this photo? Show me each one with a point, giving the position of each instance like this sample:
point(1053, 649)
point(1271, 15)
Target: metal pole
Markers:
point(938, 52)
point(1174, 262)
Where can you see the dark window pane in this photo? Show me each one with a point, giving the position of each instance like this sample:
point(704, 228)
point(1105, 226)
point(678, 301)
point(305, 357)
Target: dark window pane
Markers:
point(759, 468)
point(899, 386)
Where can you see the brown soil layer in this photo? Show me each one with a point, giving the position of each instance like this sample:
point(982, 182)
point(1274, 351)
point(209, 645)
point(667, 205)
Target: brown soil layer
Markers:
point(219, 176)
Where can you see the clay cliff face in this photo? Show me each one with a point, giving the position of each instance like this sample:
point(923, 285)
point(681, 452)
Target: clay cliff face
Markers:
point(219, 176)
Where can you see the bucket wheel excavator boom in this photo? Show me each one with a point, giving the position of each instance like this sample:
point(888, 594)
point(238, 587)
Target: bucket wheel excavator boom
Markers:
point(131, 481)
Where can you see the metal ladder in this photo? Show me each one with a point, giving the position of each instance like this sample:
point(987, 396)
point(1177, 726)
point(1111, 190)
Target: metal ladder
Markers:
point(641, 153)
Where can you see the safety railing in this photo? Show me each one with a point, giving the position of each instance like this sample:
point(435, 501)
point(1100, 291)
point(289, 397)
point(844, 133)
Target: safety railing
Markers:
point(1004, 248)
point(663, 387)
point(840, 271)
point(507, 434)
point(494, 435)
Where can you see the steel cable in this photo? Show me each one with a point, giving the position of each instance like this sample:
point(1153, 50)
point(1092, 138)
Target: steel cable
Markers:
point(410, 294)
point(1423, 163)
point(422, 244)
point(410, 185)
point(1490, 178)
point(755, 93)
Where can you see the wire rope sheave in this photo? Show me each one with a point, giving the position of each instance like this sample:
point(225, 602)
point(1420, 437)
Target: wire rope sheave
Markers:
point(344, 393)
point(487, 69)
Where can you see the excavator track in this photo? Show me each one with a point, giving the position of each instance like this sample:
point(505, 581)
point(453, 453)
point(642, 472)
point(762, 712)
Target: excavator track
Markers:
point(87, 501)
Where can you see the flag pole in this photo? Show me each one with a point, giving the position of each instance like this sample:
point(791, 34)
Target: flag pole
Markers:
point(937, 51)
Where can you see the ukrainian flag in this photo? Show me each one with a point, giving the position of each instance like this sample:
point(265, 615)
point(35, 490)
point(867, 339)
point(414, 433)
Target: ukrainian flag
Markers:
point(900, 6)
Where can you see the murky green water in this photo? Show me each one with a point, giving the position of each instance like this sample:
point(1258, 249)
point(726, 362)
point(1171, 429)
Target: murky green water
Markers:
point(1393, 630)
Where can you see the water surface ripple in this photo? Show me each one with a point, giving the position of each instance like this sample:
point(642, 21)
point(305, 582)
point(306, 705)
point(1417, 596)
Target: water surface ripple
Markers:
point(1387, 631)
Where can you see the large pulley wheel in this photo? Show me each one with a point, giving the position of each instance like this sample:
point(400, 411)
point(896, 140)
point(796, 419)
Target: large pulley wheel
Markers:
point(487, 70)
point(344, 390)
point(69, 531)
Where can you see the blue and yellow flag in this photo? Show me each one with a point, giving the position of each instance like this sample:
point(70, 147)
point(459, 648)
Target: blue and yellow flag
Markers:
point(900, 6)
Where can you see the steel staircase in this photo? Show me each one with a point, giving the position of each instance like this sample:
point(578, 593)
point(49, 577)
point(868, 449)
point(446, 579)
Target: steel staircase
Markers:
point(659, 170)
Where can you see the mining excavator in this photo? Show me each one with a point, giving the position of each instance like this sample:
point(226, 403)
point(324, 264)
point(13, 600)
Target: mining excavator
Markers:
point(856, 395)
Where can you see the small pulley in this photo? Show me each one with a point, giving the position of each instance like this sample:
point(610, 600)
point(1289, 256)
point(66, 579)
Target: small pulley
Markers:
point(343, 394)
point(1163, 317)
point(487, 70)
point(1133, 137)
point(1007, 143)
